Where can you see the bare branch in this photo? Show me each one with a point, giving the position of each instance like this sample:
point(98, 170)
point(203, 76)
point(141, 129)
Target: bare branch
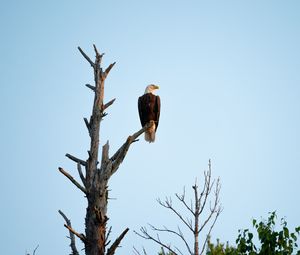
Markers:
point(211, 227)
point(86, 57)
point(108, 104)
point(107, 70)
point(215, 208)
point(204, 193)
point(182, 199)
point(35, 249)
point(98, 55)
point(196, 208)
point(136, 252)
point(81, 174)
point(93, 88)
point(119, 156)
point(80, 236)
point(190, 222)
point(179, 234)
point(72, 237)
point(87, 125)
point(77, 160)
point(207, 188)
point(116, 243)
point(71, 178)
point(168, 204)
point(178, 250)
point(105, 154)
point(107, 236)
point(147, 236)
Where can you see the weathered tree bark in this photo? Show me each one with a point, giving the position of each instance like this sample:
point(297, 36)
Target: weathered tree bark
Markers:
point(95, 182)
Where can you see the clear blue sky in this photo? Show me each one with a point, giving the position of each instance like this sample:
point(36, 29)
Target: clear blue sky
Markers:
point(230, 87)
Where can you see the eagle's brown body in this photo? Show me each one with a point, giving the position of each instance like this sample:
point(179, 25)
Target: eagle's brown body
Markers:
point(149, 109)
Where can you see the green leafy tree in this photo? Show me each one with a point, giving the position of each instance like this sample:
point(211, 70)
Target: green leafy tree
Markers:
point(220, 248)
point(270, 240)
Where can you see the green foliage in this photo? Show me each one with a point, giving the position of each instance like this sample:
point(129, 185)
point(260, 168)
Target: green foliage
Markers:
point(271, 241)
point(220, 249)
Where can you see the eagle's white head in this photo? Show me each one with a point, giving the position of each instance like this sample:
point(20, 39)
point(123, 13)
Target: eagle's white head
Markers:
point(150, 88)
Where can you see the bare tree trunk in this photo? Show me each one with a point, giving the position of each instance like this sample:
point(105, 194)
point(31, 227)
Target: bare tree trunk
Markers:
point(96, 218)
point(196, 216)
point(95, 182)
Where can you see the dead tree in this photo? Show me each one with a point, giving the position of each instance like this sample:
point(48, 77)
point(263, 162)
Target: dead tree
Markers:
point(97, 174)
point(193, 224)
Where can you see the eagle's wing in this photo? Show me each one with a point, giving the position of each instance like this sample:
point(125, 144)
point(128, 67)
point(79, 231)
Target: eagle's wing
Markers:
point(140, 103)
point(157, 110)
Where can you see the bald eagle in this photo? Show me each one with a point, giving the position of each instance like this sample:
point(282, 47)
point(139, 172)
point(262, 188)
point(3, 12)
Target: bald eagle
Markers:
point(149, 110)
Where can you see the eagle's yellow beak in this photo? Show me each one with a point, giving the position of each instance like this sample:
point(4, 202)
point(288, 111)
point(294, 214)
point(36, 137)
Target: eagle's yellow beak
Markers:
point(156, 87)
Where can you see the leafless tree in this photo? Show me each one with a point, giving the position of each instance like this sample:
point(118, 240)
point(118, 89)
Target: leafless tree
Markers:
point(97, 174)
point(195, 209)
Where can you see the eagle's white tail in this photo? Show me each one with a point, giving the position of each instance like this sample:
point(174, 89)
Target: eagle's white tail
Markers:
point(150, 134)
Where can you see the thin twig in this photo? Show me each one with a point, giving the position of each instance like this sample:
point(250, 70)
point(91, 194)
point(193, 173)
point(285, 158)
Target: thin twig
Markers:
point(211, 227)
point(214, 208)
point(180, 235)
point(35, 249)
point(136, 252)
point(147, 236)
point(182, 199)
point(168, 204)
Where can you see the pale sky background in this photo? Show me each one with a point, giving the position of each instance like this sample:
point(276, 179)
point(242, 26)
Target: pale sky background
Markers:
point(230, 86)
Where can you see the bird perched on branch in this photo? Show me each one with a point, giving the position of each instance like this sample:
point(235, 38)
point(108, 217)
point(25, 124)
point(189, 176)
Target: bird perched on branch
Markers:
point(149, 111)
